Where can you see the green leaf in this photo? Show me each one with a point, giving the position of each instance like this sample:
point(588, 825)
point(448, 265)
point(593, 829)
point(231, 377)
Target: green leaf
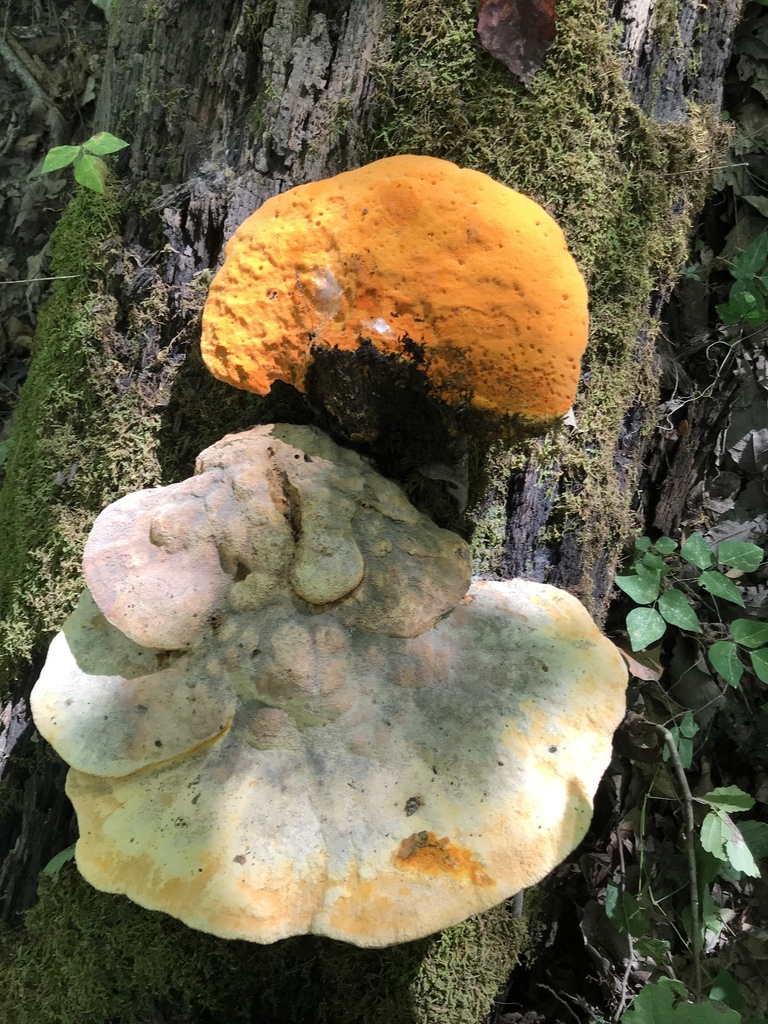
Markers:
point(755, 835)
point(714, 834)
point(739, 854)
point(743, 304)
point(55, 864)
point(759, 661)
point(740, 555)
point(697, 552)
point(743, 288)
point(709, 869)
point(749, 633)
point(656, 949)
point(720, 836)
point(684, 751)
point(729, 798)
point(727, 991)
point(653, 1004)
point(642, 591)
point(728, 313)
point(91, 172)
point(666, 1002)
point(645, 626)
point(665, 545)
point(102, 143)
point(684, 746)
point(651, 575)
point(688, 726)
point(757, 317)
point(678, 611)
point(655, 563)
point(624, 912)
point(643, 543)
point(58, 157)
point(750, 262)
point(711, 914)
point(106, 6)
point(724, 658)
point(719, 585)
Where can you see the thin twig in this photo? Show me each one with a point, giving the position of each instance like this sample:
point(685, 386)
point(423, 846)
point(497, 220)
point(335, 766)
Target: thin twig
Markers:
point(560, 1000)
point(32, 280)
point(697, 170)
point(630, 941)
point(686, 798)
point(10, 49)
point(16, 66)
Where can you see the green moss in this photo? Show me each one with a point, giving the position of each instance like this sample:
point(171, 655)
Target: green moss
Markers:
point(91, 426)
point(576, 143)
point(77, 440)
point(465, 966)
point(490, 517)
point(664, 23)
point(258, 15)
point(86, 957)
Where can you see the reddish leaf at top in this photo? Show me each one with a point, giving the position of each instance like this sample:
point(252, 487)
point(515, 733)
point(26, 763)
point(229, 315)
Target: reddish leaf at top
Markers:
point(518, 33)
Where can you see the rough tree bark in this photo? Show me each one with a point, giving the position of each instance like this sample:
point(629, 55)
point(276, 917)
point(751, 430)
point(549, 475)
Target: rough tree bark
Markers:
point(225, 105)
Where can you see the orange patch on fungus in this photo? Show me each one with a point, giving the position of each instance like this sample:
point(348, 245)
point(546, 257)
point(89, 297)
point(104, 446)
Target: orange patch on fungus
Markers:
point(425, 853)
point(409, 248)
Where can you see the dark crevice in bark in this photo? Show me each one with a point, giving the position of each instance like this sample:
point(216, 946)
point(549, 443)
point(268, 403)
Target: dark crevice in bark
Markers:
point(36, 820)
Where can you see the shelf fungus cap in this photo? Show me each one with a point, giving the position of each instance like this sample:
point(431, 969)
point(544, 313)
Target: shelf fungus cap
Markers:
point(298, 769)
point(420, 259)
point(279, 510)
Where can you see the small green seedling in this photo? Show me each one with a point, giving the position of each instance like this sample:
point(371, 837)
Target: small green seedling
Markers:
point(662, 605)
point(748, 297)
point(689, 272)
point(89, 169)
point(55, 864)
point(720, 836)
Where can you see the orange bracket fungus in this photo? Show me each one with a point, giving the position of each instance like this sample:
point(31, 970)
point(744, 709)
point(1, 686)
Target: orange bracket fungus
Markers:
point(413, 258)
point(302, 718)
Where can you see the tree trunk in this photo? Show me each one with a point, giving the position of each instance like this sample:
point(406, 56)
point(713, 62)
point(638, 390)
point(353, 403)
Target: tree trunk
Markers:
point(225, 105)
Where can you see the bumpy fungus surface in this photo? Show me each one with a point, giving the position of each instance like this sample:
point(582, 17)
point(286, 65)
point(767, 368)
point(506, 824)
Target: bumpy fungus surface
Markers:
point(370, 770)
point(273, 512)
point(409, 250)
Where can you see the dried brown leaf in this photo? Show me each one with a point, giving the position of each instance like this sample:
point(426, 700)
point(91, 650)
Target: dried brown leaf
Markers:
point(518, 33)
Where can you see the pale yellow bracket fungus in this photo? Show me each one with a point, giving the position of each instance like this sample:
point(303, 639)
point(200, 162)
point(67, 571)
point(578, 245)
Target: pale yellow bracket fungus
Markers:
point(307, 768)
point(277, 510)
point(413, 255)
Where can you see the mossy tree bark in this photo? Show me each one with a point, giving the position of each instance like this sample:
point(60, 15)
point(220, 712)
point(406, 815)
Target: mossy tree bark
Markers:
point(225, 105)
